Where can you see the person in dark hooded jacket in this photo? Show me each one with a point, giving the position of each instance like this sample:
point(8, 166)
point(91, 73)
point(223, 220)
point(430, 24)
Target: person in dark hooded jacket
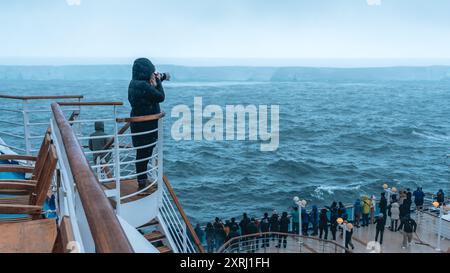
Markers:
point(383, 205)
point(245, 222)
point(440, 197)
point(145, 93)
point(265, 228)
point(210, 237)
point(274, 225)
point(233, 225)
point(98, 144)
point(252, 241)
point(342, 210)
point(380, 227)
point(235, 244)
point(284, 228)
point(314, 217)
point(333, 225)
point(323, 224)
point(219, 233)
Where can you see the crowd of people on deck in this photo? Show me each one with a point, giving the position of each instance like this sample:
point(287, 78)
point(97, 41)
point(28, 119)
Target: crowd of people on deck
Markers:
point(324, 223)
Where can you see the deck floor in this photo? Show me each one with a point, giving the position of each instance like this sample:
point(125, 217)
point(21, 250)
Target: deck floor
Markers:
point(424, 241)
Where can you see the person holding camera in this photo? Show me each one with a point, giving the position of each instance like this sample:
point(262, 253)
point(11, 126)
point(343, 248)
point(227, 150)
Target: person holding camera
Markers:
point(145, 93)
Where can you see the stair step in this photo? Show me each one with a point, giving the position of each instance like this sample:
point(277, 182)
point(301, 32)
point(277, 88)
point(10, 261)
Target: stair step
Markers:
point(164, 249)
point(154, 236)
point(150, 224)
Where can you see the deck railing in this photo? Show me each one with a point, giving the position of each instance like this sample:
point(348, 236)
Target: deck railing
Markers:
point(82, 197)
point(181, 229)
point(117, 164)
point(273, 242)
point(26, 117)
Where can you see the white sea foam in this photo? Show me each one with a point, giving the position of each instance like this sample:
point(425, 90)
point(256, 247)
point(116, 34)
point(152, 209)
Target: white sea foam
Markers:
point(330, 189)
point(432, 136)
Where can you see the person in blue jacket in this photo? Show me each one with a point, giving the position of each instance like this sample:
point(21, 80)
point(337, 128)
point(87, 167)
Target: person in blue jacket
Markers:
point(305, 222)
point(419, 199)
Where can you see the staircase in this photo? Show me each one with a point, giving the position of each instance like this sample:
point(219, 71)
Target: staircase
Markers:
point(153, 233)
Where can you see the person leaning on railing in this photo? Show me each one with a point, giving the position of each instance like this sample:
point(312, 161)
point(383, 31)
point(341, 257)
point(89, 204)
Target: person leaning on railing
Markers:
point(145, 93)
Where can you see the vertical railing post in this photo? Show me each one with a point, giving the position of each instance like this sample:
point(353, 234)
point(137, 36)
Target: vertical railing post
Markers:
point(185, 249)
point(26, 124)
point(160, 158)
point(117, 162)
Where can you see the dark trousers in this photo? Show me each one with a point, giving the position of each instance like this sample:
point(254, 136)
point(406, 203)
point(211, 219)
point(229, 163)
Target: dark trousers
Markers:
point(380, 233)
point(394, 225)
point(322, 231)
point(274, 236)
point(141, 153)
point(141, 166)
point(357, 219)
point(265, 241)
point(333, 232)
point(251, 244)
point(211, 245)
point(365, 220)
point(305, 229)
point(349, 243)
point(295, 228)
point(282, 240)
point(315, 229)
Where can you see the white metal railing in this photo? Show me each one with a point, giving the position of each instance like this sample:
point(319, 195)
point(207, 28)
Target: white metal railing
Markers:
point(93, 220)
point(116, 161)
point(115, 164)
point(177, 228)
point(274, 242)
point(68, 204)
point(24, 119)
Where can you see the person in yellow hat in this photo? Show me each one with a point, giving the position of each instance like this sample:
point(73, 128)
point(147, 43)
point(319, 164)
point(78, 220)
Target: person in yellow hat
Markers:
point(366, 205)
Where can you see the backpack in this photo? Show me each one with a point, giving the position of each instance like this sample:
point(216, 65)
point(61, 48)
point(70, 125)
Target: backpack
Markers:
point(408, 227)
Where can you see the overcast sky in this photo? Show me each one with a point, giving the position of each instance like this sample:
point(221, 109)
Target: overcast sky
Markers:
point(226, 29)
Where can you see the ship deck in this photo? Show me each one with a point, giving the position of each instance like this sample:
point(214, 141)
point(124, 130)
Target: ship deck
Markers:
point(393, 241)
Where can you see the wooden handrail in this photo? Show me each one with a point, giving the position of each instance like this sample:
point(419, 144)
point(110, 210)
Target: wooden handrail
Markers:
point(100, 103)
point(142, 118)
point(183, 215)
point(128, 122)
point(105, 228)
point(41, 97)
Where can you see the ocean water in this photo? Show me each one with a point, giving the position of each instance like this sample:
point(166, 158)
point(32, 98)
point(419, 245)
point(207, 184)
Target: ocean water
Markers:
point(338, 140)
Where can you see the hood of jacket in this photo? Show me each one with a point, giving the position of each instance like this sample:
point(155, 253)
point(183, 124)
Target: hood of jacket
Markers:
point(99, 126)
point(143, 69)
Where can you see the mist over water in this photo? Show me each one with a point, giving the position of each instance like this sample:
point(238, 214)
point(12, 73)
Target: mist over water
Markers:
point(338, 140)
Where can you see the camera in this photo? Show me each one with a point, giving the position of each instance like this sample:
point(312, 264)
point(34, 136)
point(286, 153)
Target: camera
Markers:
point(164, 76)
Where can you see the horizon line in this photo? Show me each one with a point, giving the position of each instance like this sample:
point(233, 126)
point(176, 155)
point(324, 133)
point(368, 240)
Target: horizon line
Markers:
point(230, 62)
